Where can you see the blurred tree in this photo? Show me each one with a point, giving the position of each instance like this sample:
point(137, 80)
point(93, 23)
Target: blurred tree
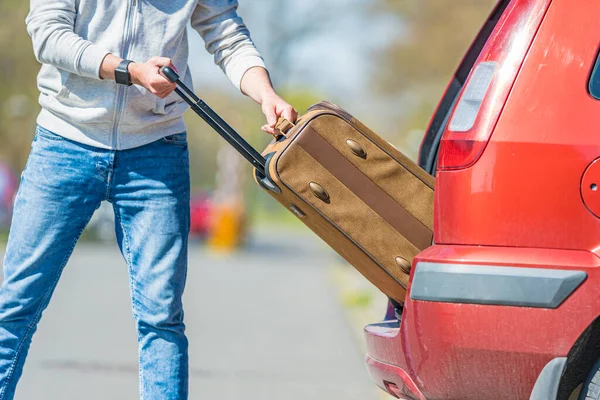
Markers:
point(18, 93)
point(290, 22)
point(419, 65)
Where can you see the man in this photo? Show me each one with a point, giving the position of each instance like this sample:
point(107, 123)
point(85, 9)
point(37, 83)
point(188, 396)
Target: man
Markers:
point(101, 138)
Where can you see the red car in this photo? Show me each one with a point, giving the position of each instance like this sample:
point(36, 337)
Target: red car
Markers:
point(200, 215)
point(8, 190)
point(505, 304)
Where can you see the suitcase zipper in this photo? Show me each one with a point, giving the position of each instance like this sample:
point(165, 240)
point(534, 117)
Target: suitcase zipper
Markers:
point(132, 6)
point(323, 107)
point(314, 111)
point(328, 106)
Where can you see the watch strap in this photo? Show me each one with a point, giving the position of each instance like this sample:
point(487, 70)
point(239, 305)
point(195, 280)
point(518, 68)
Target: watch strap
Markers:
point(122, 75)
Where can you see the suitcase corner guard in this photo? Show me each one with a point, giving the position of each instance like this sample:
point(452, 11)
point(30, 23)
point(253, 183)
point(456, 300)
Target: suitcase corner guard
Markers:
point(265, 180)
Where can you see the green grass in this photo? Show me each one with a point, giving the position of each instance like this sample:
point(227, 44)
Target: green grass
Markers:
point(277, 217)
point(358, 299)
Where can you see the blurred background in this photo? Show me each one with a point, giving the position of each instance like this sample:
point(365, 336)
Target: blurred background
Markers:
point(272, 313)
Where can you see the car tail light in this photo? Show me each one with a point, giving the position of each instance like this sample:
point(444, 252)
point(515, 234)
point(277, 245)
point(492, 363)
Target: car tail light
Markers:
point(473, 96)
point(489, 84)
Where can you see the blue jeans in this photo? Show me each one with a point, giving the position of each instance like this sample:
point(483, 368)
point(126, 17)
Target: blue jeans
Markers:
point(64, 182)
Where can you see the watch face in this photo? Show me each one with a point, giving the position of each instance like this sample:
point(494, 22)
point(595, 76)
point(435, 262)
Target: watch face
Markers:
point(122, 75)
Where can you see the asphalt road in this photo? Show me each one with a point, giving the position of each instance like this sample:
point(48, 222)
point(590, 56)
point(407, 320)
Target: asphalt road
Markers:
point(263, 324)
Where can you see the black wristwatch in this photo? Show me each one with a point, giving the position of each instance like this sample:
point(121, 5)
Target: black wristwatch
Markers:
point(122, 75)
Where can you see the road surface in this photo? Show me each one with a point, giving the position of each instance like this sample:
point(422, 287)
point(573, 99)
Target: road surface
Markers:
point(263, 324)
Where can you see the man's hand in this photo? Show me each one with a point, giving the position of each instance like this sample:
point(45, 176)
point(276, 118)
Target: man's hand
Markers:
point(147, 74)
point(257, 85)
point(274, 107)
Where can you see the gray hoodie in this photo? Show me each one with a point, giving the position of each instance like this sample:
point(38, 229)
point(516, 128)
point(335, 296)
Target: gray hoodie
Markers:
point(72, 37)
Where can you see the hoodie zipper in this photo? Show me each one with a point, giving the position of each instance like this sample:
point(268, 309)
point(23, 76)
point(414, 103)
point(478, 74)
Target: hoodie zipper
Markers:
point(132, 7)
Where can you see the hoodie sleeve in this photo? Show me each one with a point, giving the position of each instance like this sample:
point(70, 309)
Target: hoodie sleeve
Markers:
point(51, 27)
point(227, 38)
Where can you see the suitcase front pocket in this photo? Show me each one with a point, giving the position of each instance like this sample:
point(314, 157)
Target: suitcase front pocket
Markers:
point(380, 167)
point(355, 206)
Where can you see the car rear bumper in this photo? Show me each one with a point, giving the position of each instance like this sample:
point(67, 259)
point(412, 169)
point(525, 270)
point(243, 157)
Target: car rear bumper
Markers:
point(494, 320)
point(392, 379)
point(395, 381)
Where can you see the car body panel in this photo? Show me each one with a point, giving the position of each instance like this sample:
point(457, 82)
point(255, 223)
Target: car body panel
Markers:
point(534, 201)
point(472, 351)
point(8, 190)
point(521, 205)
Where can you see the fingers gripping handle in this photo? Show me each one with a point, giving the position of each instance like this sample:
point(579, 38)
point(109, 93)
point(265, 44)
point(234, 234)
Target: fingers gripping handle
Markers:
point(170, 74)
point(216, 122)
point(174, 78)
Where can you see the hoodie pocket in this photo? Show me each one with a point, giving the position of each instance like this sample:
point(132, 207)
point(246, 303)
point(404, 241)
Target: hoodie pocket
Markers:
point(64, 89)
point(166, 105)
point(84, 93)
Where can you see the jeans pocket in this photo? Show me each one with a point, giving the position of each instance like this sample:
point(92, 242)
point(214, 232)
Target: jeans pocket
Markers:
point(179, 139)
point(46, 134)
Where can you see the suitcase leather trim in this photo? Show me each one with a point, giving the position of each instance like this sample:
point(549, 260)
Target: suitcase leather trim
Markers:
point(391, 266)
point(383, 169)
point(366, 190)
point(385, 165)
point(327, 108)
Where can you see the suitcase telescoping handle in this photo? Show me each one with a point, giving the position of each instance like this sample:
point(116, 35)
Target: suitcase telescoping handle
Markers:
point(216, 122)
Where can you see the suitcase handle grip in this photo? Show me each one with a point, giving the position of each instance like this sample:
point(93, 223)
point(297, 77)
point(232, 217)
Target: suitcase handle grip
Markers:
point(216, 122)
point(170, 74)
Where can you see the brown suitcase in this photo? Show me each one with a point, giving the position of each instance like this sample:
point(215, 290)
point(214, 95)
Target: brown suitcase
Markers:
point(362, 196)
